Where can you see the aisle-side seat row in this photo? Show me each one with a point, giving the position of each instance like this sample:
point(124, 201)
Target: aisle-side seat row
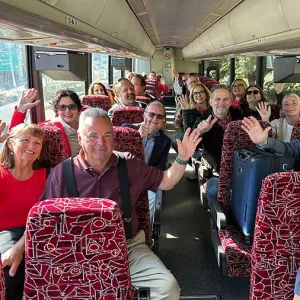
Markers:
point(275, 254)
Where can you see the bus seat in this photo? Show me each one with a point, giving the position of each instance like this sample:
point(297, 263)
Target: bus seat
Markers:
point(152, 88)
point(101, 101)
point(296, 131)
point(2, 283)
point(127, 114)
point(234, 256)
point(129, 140)
point(76, 248)
point(276, 243)
point(144, 99)
point(56, 148)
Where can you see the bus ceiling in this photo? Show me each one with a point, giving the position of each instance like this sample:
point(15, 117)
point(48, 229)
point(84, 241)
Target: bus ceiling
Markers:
point(134, 28)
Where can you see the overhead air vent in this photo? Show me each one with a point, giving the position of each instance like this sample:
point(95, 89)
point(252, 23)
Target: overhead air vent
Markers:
point(62, 65)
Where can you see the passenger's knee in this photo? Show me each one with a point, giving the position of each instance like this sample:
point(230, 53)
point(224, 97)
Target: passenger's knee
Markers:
point(169, 290)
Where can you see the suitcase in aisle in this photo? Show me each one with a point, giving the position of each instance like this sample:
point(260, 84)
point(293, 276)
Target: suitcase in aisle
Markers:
point(250, 167)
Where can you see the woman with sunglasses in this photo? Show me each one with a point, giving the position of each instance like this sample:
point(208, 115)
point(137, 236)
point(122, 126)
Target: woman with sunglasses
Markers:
point(254, 95)
point(66, 105)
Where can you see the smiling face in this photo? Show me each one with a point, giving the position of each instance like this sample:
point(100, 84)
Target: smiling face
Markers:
point(253, 95)
point(98, 89)
point(68, 111)
point(155, 115)
point(238, 89)
point(26, 147)
point(290, 106)
point(125, 93)
point(199, 97)
point(220, 102)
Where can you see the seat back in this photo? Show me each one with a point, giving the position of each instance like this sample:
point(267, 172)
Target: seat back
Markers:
point(276, 244)
point(275, 111)
point(234, 138)
point(129, 140)
point(144, 99)
point(296, 131)
point(152, 88)
point(101, 101)
point(2, 283)
point(127, 114)
point(76, 249)
point(56, 149)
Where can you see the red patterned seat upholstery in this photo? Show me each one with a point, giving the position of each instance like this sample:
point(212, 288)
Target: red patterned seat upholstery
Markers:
point(276, 244)
point(2, 283)
point(129, 140)
point(235, 253)
point(56, 148)
point(127, 114)
point(76, 249)
point(152, 88)
point(101, 101)
point(296, 131)
point(144, 99)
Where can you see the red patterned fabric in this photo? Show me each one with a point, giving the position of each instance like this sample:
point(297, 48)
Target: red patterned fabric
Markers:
point(152, 88)
point(143, 99)
point(296, 131)
point(276, 247)
point(76, 249)
point(129, 140)
point(101, 101)
point(127, 114)
point(2, 283)
point(56, 145)
point(238, 255)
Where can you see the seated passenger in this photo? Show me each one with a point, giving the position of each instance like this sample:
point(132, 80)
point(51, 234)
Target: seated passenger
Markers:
point(254, 95)
point(156, 144)
point(297, 286)
point(139, 84)
point(21, 183)
point(180, 89)
point(125, 95)
point(260, 137)
point(95, 173)
point(129, 75)
point(98, 88)
point(282, 128)
point(211, 127)
point(238, 89)
point(67, 107)
point(162, 86)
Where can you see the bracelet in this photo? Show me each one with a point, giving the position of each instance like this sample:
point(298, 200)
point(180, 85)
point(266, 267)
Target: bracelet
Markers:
point(181, 162)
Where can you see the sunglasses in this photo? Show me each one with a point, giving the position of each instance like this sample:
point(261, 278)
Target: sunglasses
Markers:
point(64, 107)
point(252, 92)
point(152, 115)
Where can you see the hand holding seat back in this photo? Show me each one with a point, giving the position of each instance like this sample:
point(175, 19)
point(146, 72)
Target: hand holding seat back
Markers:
point(101, 101)
point(129, 140)
point(276, 247)
point(76, 248)
point(128, 114)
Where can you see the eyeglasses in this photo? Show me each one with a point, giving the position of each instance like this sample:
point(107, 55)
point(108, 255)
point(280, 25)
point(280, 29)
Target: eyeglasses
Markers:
point(152, 115)
point(64, 107)
point(199, 93)
point(252, 92)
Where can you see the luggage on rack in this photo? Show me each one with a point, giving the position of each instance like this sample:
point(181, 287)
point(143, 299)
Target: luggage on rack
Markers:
point(250, 167)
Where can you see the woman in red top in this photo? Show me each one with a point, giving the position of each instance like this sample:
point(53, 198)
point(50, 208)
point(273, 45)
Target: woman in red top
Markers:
point(238, 89)
point(21, 184)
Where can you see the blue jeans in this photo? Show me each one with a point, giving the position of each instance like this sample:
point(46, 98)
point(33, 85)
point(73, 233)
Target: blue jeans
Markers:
point(212, 189)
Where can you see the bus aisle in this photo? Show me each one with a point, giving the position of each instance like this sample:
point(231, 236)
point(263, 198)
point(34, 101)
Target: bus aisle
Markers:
point(185, 245)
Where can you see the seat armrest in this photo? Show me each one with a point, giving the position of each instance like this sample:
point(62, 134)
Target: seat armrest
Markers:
point(218, 214)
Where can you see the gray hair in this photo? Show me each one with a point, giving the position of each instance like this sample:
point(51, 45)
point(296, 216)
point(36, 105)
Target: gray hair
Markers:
point(93, 113)
point(216, 88)
point(291, 95)
point(158, 103)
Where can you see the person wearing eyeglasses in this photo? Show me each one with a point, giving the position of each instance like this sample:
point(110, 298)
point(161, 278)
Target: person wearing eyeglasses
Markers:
point(238, 89)
point(66, 105)
point(254, 95)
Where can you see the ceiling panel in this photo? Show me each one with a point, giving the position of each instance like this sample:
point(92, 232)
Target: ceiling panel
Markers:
point(177, 22)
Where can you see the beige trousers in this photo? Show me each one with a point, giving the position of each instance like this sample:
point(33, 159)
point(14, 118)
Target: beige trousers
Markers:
point(147, 270)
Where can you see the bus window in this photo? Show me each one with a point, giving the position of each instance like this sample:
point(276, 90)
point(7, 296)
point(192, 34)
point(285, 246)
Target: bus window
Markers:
point(13, 78)
point(224, 71)
point(141, 66)
point(50, 86)
point(245, 68)
point(100, 68)
point(116, 75)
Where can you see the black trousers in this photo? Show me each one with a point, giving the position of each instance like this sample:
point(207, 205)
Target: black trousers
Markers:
point(13, 285)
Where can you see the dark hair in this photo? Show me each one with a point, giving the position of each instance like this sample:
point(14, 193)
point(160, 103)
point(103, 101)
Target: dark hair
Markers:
point(141, 78)
point(91, 88)
point(65, 93)
point(262, 95)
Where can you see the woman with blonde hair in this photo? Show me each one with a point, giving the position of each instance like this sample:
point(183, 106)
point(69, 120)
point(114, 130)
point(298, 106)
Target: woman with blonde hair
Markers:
point(98, 88)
